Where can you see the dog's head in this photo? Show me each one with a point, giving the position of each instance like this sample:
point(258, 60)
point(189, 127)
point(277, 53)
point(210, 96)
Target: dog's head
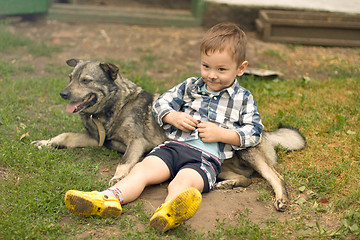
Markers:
point(91, 85)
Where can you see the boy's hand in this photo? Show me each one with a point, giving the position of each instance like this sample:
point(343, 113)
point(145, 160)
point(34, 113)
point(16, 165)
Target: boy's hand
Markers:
point(181, 120)
point(210, 132)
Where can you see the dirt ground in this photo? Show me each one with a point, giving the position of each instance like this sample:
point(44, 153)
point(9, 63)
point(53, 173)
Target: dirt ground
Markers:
point(179, 48)
point(175, 47)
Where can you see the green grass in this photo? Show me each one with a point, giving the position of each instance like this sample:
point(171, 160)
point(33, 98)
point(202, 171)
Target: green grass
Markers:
point(9, 41)
point(33, 182)
point(274, 54)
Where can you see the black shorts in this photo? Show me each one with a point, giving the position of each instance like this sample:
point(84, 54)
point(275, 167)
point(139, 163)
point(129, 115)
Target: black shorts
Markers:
point(179, 155)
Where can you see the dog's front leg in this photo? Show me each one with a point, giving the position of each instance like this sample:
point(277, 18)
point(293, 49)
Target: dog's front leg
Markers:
point(67, 140)
point(277, 182)
point(133, 154)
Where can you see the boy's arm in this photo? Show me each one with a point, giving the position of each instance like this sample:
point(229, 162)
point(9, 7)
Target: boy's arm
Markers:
point(168, 102)
point(249, 127)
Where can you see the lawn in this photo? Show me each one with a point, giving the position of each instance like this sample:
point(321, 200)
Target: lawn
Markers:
point(323, 179)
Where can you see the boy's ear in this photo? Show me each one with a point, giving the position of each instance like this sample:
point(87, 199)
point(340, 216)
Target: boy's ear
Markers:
point(241, 68)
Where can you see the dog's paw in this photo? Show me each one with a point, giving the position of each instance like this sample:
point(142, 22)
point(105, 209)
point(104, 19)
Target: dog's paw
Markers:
point(121, 171)
point(281, 204)
point(114, 181)
point(226, 184)
point(229, 184)
point(42, 143)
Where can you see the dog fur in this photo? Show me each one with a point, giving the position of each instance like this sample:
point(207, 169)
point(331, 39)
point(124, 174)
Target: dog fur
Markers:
point(100, 94)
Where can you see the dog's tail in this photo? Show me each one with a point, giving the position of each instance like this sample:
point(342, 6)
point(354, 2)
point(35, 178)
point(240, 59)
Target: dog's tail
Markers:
point(287, 137)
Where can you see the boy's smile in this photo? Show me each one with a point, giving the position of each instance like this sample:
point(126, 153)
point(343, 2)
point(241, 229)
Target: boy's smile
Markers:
point(218, 70)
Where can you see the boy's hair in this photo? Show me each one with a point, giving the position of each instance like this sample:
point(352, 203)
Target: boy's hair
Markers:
point(225, 36)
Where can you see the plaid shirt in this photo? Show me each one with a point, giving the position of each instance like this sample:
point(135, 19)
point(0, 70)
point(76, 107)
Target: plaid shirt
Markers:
point(231, 108)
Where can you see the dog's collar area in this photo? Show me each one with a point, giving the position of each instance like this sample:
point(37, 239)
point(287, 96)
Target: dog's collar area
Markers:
point(101, 130)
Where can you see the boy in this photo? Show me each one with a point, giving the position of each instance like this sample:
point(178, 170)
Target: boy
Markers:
point(206, 118)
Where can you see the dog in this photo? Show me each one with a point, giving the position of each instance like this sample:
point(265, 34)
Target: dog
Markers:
point(117, 113)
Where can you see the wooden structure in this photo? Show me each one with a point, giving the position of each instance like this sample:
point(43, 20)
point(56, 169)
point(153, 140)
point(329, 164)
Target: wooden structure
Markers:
point(315, 28)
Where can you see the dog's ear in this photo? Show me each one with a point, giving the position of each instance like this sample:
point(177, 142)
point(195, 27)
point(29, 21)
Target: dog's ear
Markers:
point(73, 62)
point(110, 69)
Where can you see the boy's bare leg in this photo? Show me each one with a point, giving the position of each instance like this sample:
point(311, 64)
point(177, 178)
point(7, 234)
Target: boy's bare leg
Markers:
point(186, 178)
point(152, 170)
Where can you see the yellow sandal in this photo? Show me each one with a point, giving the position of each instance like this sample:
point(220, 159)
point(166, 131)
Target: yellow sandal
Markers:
point(179, 209)
point(92, 203)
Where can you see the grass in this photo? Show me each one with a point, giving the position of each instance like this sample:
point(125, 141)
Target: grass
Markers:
point(325, 175)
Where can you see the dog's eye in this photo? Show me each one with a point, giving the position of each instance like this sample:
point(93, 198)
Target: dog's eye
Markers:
point(85, 81)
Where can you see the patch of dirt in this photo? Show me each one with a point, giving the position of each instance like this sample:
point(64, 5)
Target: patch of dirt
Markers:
point(176, 50)
point(217, 205)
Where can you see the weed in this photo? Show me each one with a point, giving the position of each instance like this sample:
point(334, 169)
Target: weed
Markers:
point(264, 195)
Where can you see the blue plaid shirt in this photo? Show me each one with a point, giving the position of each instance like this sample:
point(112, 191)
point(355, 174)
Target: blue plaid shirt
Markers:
point(231, 108)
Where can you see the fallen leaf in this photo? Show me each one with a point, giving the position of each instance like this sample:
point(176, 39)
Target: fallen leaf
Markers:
point(324, 200)
point(105, 170)
point(24, 136)
point(354, 228)
point(302, 196)
point(300, 201)
point(349, 132)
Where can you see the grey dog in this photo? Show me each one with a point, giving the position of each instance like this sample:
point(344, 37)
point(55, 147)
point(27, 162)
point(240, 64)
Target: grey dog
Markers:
point(117, 113)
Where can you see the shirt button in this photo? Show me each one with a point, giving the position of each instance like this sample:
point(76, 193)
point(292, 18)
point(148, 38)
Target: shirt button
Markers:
point(215, 98)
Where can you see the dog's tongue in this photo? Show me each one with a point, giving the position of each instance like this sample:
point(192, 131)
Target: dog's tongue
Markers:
point(70, 108)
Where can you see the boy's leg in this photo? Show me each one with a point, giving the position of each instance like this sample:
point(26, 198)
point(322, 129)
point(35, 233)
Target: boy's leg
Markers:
point(152, 170)
point(184, 179)
point(182, 202)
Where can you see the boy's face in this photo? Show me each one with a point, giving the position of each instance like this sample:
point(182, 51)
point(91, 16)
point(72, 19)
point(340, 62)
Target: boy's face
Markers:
point(219, 70)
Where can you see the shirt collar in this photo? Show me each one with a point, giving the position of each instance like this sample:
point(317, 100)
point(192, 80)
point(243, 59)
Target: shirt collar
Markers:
point(232, 90)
